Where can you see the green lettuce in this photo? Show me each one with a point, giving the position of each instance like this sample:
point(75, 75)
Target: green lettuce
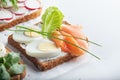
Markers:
point(52, 20)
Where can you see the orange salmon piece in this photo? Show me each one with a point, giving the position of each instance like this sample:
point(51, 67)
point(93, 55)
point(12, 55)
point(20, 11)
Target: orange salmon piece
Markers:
point(59, 43)
point(73, 50)
point(73, 30)
point(76, 31)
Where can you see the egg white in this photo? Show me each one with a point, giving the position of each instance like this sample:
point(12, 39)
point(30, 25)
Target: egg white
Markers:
point(22, 38)
point(32, 50)
point(2, 50)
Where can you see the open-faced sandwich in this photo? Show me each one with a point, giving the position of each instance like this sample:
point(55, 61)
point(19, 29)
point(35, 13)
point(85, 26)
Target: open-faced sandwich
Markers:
point(13, 12)
point(11, 67)
point(50, 43)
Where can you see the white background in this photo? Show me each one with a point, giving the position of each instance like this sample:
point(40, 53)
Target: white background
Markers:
point(101, 22)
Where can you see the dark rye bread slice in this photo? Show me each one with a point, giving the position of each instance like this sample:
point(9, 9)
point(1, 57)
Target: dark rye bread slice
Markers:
point(39, 64)
point(20, 76)
point(25, 18)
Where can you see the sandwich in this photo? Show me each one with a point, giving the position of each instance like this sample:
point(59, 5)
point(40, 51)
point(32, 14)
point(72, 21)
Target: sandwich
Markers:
point(13, 12)
point(11, 66)
point(50, 42)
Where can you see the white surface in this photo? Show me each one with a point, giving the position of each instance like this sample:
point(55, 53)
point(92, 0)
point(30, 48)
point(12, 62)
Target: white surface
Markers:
point(100, 19)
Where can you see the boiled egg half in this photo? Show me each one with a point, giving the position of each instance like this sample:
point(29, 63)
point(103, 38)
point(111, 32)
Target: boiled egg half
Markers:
point(27, 36)
point(42, 49)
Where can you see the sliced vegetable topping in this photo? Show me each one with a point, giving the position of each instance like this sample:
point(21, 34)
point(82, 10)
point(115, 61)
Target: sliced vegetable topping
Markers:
point(32, 4)
point(20, 11)
point(5, 14)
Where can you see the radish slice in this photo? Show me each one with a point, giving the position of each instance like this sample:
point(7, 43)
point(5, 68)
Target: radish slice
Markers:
point(20, 11)
point(5, 15)
point(32, 4)
point(21, 1)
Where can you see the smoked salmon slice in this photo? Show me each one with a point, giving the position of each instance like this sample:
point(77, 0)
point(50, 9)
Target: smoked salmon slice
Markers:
point(76, 32)
point(70, 43)
point(59, 43)
point(68, 40)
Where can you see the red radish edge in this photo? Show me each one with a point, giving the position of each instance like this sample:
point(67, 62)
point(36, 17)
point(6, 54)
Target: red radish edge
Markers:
point(8, 18)
point(19, 14)
point(30, 8)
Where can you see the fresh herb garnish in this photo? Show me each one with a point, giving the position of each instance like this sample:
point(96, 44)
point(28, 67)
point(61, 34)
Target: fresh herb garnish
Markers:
point(9, 65)
point(11, 58)
point(52, 20)
point(16, 69)
point(4, 75)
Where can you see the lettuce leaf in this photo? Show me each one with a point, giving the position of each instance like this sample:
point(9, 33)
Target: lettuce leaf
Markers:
point(52, 20)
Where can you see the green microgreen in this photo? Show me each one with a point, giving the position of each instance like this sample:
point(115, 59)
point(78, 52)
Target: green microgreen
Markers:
point(9, 65)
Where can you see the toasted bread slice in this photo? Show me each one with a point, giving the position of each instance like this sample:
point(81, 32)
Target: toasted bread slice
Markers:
point(39, 64)
point(42, 66)
point(22, 19)
point(20, 76)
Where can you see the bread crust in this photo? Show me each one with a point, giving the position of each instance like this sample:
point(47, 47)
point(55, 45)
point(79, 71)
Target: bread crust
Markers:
point(42, 66)
point(20, 76)
point(20, 20)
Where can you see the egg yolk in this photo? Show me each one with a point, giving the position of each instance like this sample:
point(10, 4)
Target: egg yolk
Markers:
point(31, 34)
point(47, 46)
